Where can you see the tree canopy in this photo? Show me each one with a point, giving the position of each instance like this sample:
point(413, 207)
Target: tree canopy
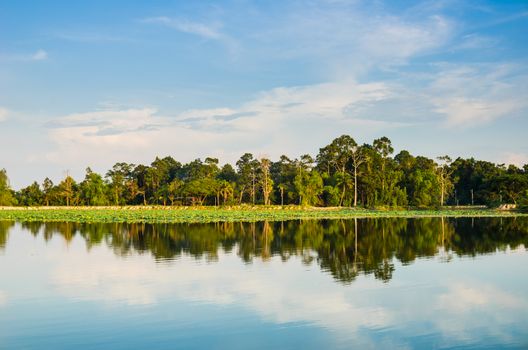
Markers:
point(343, 173)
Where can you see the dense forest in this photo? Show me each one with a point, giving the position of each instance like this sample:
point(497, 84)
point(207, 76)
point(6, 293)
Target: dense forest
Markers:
point(342, 174)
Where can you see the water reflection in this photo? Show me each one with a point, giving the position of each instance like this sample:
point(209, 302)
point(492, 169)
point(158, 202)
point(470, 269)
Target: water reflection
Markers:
point(5, 226)
point(266, 284)
point(345, 248)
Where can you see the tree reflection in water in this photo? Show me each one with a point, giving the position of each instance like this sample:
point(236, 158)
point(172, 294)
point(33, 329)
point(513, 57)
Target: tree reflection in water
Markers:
point(345, 248)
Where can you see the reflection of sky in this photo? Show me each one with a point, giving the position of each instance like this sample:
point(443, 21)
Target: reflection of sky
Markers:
point(57, 293)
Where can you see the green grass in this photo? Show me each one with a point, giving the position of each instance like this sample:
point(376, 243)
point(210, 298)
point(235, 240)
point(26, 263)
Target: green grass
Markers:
point(225, 214)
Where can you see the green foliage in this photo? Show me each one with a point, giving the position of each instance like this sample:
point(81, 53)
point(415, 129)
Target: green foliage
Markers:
point(6, 194)
point(343, 174)
point(31, 195)
point(198, 190)
point(160, 214)
point(67, 191)
point(120, 178)
point(523, 201)
point(309, 185)
point(93, 189)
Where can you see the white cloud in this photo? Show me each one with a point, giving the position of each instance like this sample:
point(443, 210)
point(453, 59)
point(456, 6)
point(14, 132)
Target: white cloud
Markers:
point(391, 37)
point(476, 41)
point(187, 26)
point(4, 114)
point(209, 31)
point(39, 55)
point(472, 96)
point(461, 111)
point(293, 120)
point(344, 37)
point(351, 40)
point(110, 122)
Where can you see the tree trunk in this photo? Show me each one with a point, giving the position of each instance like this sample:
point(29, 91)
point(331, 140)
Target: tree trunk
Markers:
point(442, 194)
point(355, 186)
point(241, 196)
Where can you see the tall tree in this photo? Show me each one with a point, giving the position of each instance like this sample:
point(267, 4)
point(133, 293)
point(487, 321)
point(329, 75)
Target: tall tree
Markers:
point(119, 176)
point(266, 183)
point(139, 186)
point(247, 168)
point(384, 148)
point(47, 190)
point(6, 194)
point(93, 189)
point(309, 184)
point(283, 173)
point(335, 159)
point(67, 190)
point(444, 177)
point(358, 157)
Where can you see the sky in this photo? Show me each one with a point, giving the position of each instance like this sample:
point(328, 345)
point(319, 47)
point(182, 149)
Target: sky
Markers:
point(98, 82)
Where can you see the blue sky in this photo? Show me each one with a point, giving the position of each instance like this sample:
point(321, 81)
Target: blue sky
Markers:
point(92, 83)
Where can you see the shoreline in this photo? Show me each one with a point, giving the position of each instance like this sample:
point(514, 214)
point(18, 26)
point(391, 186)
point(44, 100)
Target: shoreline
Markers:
point(160, 214)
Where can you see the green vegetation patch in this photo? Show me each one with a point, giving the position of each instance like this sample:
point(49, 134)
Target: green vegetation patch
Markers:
point(224, 214)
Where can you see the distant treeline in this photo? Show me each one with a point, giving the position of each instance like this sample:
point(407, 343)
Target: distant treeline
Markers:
point(342, 174)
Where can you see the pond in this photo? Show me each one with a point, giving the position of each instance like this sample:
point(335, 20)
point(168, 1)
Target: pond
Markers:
point(367, 284)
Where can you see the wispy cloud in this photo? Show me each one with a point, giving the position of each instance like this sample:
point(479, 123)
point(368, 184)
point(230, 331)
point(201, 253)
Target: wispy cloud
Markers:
point(39, 55)
point(474, 95)
point(4, 113)
point(108, 122)
point(297, 119)
point(288, 118)
point(207, 31)
point(476, 41)
point(349, 39)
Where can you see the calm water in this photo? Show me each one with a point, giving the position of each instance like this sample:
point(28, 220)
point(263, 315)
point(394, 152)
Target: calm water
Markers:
point(376, 283)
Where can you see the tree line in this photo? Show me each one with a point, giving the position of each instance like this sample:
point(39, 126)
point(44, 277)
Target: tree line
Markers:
point(343, 173)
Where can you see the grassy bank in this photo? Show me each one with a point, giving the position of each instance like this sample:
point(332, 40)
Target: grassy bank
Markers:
point(222, 214)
